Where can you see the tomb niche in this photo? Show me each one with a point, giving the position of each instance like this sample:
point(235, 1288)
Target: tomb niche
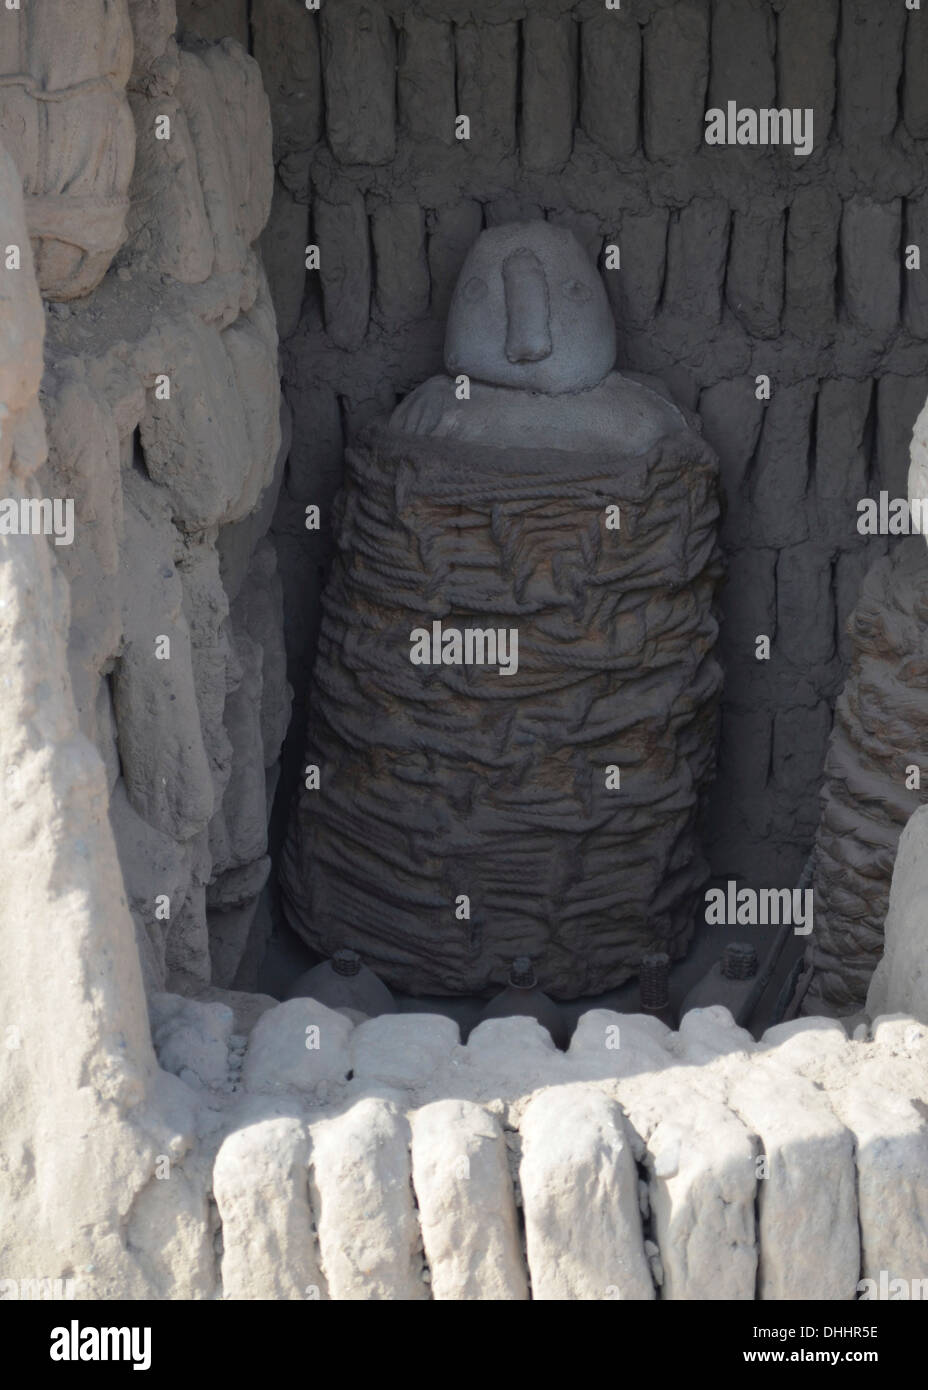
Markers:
point(469, 814)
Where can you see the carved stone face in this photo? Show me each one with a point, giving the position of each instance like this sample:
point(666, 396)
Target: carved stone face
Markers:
point(530, 310)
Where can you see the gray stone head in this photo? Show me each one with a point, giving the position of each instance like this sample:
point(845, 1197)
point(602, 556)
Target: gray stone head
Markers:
point(530, 310)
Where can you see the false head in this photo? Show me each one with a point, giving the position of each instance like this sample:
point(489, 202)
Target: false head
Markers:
point(529, 310)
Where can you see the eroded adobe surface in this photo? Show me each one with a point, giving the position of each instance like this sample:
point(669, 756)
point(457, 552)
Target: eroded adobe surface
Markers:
point(641, 1164)
point(270, 1147)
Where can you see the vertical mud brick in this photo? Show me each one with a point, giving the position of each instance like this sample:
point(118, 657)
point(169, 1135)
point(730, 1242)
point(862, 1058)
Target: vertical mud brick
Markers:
point(749, 604)
point(167, 216)
point(401, 273)
point(915, 81)
point(286, 44)
point(915, 282)
point(871, 264)
point(345, 269)
point(732, 417)
point(739, 812)
point(805, 605)
point(779, 484)
point(488, 66)
point(454, 229)
point(186, 955)
point(635, 288)
point(742, 53)
point(697, 251)
point(549, 92)
point(806, 37)
point(869, 70)
point(283, 250)
point(799, 739)
point(811, 253)
point(358, 62)
point(749, 749)
point(842, 455)
point(899, 400)
point(610, 80)
point(426, 79)
point(676, 71)
point(314, 465)
point(294, 172)
point(754, 287)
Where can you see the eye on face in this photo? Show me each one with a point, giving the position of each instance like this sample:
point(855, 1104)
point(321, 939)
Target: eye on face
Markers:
point(475, 289)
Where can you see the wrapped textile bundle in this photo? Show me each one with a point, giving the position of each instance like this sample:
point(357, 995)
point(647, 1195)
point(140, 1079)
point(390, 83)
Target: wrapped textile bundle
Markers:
point(447, 780)
point(514, 703)
point(871, 787)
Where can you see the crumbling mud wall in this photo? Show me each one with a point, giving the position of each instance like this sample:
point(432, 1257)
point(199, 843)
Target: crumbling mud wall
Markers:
point(144, 695)
point(873, 776)
point(737, 262)
point(242, 1165)
point(391, 1162)
point(85, 1114)
point(147, 174)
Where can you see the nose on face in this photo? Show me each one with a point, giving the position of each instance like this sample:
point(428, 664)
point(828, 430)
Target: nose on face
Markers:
point(528, 329)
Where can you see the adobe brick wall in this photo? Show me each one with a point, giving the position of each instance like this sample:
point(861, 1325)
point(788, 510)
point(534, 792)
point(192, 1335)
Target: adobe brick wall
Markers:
point(735, 261)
